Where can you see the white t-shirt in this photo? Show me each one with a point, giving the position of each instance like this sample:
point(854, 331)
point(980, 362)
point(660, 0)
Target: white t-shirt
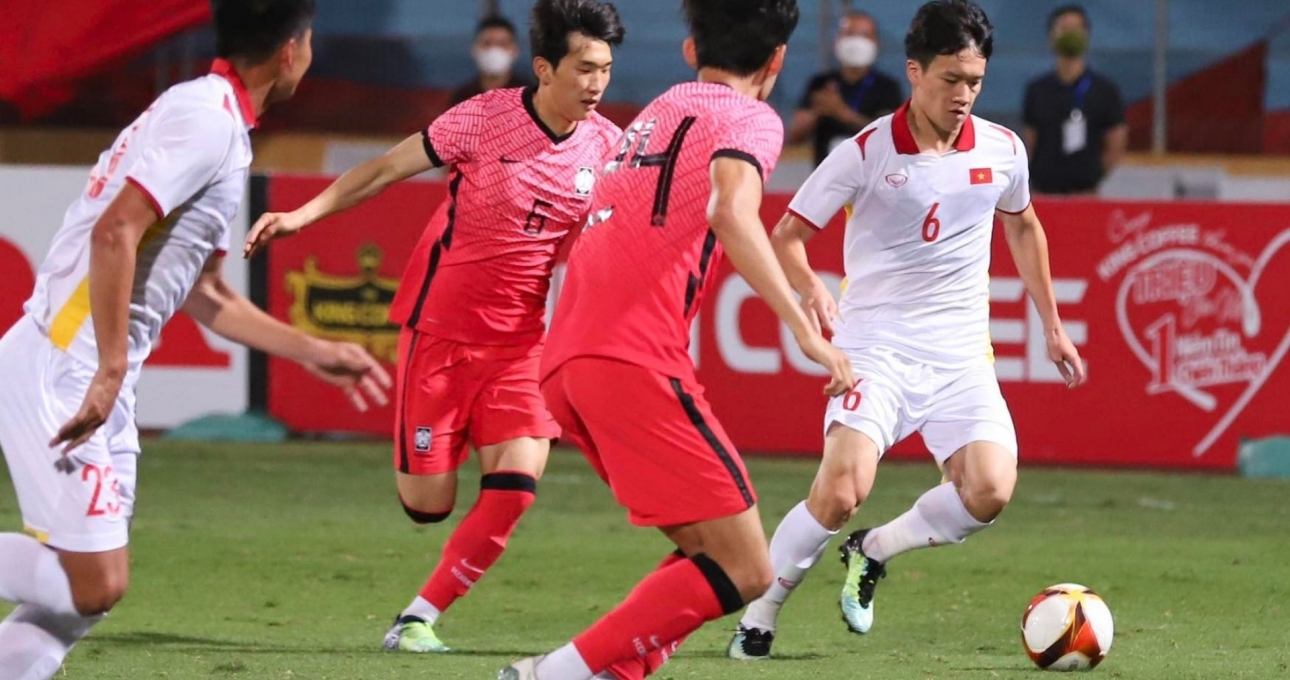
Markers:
point(190, 153)
point(917, 246)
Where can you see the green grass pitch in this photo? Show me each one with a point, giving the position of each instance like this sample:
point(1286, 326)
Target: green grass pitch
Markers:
point(289, 561)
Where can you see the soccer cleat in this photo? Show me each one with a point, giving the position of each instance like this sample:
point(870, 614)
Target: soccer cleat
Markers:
point(862, 577)
point(750, 644)
point(412, 634)
point(524, 669)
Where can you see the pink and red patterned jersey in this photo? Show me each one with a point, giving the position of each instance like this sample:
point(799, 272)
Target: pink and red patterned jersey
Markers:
point(638, 272)
point(481, 271)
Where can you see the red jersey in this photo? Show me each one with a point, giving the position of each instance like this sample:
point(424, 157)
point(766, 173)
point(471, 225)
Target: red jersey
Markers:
point(638, 272)
point(481, 271)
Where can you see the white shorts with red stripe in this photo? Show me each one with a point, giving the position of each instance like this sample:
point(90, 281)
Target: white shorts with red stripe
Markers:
point(898, 396)
point(84, 507)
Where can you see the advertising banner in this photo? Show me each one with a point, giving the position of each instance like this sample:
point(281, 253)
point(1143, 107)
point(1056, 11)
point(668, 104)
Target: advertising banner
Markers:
point(1181, 310)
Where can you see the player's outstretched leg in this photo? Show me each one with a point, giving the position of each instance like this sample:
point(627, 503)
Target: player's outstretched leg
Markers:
point(982, 476)
point(61, 596)
point(507, 489)
point(728, 565)
point(843, 482)
point(642, 667)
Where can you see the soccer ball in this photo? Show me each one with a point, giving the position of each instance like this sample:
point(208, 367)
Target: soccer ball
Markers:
point(1067, 628)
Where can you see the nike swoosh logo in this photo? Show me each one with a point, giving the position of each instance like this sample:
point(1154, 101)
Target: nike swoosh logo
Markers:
point(471, 567)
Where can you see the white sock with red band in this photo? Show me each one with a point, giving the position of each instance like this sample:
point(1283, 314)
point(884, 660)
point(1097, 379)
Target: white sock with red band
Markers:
point(937, 518)
point(798, 543)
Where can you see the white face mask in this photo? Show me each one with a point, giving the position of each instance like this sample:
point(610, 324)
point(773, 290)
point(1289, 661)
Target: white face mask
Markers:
point(856, 51)
point(494, 61)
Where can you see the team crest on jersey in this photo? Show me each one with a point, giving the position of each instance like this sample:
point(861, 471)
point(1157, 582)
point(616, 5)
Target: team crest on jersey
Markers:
point(897, 179)
point(585, 181)
point(423, 438)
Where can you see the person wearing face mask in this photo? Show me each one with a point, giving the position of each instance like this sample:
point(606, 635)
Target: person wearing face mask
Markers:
point(495, 52)
point(1074, 116)
point(838, 104)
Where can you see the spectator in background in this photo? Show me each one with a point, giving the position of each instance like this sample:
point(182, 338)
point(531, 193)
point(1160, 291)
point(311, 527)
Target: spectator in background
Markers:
point(840, 103)
point(495, 52)
point(1074, 117)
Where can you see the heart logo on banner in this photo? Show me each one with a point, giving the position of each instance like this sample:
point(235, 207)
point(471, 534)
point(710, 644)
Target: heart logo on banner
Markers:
point(1212, 331)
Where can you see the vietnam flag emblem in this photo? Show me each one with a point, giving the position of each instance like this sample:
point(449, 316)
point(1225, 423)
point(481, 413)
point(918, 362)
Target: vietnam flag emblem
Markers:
point(982, 175)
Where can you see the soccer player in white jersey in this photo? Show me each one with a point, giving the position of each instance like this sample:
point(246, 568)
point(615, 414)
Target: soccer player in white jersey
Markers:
point(145, 239)
point(923, 187)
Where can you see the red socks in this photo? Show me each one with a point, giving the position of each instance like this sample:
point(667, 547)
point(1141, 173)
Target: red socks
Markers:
point(481, 537)
point(662, 610)
point(642, 666)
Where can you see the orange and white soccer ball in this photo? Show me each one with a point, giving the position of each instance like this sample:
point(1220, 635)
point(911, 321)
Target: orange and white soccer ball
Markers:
point(1067, 628)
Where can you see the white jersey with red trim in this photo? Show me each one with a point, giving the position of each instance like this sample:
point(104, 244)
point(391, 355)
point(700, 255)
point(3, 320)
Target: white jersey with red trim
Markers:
point(917, 245)
point(190, 154)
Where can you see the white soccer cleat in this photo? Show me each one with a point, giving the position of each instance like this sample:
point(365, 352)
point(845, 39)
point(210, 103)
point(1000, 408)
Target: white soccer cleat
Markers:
point(524, 669)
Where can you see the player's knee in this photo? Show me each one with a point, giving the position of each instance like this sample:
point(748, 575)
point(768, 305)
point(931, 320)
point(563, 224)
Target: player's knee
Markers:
point(516, 490)
point(422, 517)
point(738, 583)
point(834, 507)
point(97, 595)
point(986, 498)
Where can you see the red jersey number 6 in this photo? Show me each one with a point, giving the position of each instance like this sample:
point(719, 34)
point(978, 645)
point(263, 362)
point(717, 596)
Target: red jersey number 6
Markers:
point(931, 225)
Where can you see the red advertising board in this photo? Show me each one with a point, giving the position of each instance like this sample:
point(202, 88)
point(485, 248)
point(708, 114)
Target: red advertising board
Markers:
point(1182, 311)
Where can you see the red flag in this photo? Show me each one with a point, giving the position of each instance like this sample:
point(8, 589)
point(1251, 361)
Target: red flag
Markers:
point(48, 48)
point(982, 175)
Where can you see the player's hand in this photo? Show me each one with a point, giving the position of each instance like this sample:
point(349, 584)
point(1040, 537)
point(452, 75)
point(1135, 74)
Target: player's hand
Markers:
point(95, 409)
point(1063, 353)
point(271, 226)
point(822, 352)
point(820, 308)
point(351, 368)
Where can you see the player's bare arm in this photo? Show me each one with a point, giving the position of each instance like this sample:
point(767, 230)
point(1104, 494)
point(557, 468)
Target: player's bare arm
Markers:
point(1029, 246)
point(113, 245)
point(361, 183)
point(214, 304)
point(732, 213)
point(789, 241)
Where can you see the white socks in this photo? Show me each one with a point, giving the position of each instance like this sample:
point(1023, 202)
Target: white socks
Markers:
point(36, 636)
point(34, 641)
point(423, 610)
point(564, 663)
point(937, 518)
point(797, 545)
point(30, 573)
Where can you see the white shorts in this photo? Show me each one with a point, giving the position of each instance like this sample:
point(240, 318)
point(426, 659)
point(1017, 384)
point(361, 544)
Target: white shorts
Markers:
point(897, 396)
point(41, 388)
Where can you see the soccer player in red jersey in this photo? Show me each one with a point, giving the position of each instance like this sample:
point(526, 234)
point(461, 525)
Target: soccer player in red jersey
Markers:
point(472, 301)
point(685, 185)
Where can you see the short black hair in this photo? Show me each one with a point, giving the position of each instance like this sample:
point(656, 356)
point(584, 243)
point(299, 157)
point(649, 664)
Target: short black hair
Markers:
point(739, 36)
point(254, 29)
point(1069, 9)
point(553, 20)
point(495, 21)
point(948, 27)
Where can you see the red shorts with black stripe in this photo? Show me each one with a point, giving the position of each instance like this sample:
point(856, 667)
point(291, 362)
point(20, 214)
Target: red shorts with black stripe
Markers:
point(653, 438)
point(452, 395)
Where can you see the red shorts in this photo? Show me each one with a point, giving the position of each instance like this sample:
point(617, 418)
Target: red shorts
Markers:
point(652, 438)
point(452, 395)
